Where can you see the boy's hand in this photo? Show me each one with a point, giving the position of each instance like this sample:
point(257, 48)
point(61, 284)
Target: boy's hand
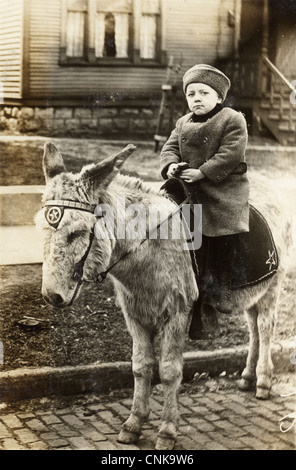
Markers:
point(191, 175)
point(175, 169)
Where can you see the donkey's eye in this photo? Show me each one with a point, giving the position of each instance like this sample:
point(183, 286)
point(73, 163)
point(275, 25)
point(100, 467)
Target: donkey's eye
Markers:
point(72, 236)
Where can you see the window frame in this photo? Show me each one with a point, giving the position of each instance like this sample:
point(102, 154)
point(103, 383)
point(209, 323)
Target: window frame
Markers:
point(89, 57)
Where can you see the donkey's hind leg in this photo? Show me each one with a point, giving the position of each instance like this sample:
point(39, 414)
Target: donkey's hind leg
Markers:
point(143, 366)
point(266, 315)
point(249, 372)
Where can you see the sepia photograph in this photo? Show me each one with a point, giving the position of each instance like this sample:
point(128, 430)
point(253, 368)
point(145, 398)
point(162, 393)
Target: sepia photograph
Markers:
point(148, 228)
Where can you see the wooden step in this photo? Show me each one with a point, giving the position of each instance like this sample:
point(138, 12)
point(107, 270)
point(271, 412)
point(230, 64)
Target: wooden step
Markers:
point(277, 117)
point(268, 105)
point(282, 129)
point(287, 127)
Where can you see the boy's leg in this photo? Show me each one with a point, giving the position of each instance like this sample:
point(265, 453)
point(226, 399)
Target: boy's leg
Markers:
point(198, 258)
point(224, 260)
point(204, 315)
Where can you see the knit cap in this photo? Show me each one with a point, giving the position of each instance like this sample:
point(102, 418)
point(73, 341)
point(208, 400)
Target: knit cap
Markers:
point(203, 73)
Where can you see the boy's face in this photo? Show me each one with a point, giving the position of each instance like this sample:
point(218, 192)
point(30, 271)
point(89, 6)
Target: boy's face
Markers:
point(201, 98)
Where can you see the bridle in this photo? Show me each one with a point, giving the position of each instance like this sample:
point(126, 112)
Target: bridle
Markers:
point(54, 212)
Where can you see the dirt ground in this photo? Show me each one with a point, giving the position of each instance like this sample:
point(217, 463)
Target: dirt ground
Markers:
point(93, 329)
point(21, 159)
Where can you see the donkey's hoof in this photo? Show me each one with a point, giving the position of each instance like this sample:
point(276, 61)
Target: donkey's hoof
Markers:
point(165, 443)
point(245, 384)
point(262, 393)
point(128, 437)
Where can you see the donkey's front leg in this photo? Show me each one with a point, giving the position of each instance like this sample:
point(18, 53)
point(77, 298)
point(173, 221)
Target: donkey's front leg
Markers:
point(143, 366)
point(171, 372)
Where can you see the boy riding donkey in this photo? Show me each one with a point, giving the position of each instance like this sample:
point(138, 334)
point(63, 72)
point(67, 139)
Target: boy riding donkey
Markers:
point(204, 158)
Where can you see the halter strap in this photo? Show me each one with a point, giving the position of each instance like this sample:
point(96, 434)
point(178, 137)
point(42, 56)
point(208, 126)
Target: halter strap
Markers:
point(71, 205)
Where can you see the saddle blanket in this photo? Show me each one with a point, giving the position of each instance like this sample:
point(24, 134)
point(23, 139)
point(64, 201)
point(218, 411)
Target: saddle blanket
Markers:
point(255, 254)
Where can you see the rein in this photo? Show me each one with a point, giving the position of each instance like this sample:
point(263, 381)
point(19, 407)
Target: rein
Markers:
point(54, 213)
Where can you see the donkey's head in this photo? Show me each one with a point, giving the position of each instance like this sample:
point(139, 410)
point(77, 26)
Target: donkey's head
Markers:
point(67, 221)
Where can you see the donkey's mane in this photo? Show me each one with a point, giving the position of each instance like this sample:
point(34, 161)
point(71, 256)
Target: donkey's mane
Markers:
point(134, 183)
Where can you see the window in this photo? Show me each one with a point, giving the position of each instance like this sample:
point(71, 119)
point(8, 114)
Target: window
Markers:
point(98, 32)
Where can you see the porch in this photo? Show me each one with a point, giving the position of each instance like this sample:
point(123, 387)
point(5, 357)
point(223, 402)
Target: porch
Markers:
point(263, 70)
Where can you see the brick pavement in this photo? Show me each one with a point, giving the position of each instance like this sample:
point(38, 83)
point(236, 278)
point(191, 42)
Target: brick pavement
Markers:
point(220, 418)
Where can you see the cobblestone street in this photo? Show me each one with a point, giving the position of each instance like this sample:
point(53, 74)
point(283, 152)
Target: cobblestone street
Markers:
point(223, 419)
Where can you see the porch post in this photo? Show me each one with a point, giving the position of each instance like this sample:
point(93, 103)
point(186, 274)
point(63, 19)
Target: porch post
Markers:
point(237, 27)
point(265, 28)
point(262, 83)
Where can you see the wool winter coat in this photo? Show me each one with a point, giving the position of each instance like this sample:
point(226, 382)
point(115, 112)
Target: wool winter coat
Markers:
point(217, 148)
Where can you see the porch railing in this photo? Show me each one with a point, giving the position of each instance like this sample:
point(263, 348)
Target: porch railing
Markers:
point(244, 76)
point(276, 91)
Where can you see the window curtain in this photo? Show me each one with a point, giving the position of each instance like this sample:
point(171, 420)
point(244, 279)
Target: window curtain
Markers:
point(100, 34)
point(148, 37)
point(75, 33)
point(121, 34)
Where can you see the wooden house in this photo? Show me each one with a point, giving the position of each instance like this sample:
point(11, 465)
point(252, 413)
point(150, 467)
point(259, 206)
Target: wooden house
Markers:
point(97, 66)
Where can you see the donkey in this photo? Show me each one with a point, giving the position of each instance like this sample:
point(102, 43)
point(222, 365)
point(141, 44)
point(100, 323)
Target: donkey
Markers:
point(154, 281)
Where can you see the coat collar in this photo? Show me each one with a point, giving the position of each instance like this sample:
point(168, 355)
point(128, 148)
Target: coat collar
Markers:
point(209, 115)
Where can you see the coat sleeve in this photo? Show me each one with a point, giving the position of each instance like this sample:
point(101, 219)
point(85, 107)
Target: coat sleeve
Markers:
point(170, 152)
point(231, 151)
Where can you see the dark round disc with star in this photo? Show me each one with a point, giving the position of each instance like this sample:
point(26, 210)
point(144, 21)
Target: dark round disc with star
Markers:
point(54, 215)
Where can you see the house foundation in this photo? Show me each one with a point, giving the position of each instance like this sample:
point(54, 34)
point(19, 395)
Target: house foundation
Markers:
point(79, 121)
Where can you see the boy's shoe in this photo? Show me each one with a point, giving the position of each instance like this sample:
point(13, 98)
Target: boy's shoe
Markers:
point(204, 321)
point(196, 326)
point(224, 303)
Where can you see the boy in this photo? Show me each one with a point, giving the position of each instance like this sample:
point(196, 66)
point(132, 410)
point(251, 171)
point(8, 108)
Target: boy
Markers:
point(206, 151)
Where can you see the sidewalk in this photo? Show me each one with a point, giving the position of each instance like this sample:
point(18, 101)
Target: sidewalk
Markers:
point(22, 244)
point(214, 416)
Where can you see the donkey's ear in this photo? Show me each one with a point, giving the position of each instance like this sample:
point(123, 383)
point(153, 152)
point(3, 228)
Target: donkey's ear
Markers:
point(103, 173)
point(53, 163)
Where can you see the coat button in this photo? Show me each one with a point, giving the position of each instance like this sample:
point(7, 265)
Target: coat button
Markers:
point(218, 177)
point(205, 139)
point(183, 140)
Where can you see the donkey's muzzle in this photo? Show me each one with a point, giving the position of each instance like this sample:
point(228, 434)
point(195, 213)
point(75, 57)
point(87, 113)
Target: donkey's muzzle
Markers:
point(54, 299)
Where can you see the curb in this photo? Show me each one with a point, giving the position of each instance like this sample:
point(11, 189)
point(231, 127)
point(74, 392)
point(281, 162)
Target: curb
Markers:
point(21, 384)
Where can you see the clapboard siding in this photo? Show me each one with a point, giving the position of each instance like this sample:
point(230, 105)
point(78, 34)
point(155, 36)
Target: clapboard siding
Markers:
point(11, 35)
point(200, 33)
